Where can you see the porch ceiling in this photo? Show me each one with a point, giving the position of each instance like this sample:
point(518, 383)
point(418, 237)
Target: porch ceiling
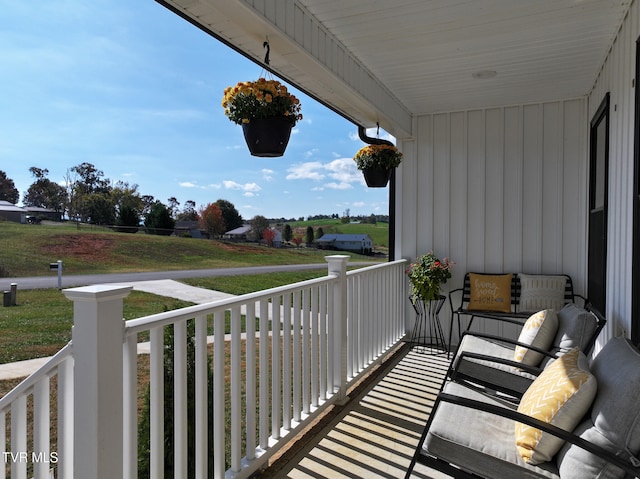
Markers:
point(387, 61)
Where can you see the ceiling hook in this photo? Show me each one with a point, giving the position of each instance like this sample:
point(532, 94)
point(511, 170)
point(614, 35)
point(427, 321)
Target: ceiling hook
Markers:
point(266, 45)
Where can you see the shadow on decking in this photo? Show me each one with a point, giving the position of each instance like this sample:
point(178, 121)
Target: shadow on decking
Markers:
point(375, 434)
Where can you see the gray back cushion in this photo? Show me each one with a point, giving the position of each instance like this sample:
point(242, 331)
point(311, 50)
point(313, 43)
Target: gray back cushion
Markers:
point(614, 422)
point(576, 326)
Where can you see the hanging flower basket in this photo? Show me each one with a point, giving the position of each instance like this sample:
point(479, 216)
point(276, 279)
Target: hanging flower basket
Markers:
point(376, 177)
point(267, 113)
point(267, 137)
point(377, 162)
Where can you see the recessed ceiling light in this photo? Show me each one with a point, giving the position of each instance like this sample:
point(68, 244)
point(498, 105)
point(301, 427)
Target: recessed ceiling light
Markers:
point(484, 74)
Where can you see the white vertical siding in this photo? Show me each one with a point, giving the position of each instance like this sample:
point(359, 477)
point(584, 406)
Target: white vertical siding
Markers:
point(616, 77)
point(500, 189)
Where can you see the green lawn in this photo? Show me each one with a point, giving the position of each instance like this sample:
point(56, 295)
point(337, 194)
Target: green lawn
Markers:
point(40, 324)
point(27, 250)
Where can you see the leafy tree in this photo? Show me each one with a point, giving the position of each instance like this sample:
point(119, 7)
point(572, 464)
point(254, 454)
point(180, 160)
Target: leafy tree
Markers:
point(90, 179)
point(268, 236)
point(159, 220)
point(211, 220)
point(8, 190)
point(232, 218)
point(82, 181)
point(45, 193)
point(124, 194)
point(258, 225)
point(319, 233)
point(128, 220)
point(189, 212)
point(100, 209)
point(147, 203)
point(309, 237)
point(288, 233)
point(173, 204)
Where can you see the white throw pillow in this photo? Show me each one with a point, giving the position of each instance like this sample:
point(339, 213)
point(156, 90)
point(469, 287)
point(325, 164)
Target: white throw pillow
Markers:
point(541, 292)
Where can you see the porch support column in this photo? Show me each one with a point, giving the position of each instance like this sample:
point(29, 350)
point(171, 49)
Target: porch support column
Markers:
point(98, 328)
point(337, 264)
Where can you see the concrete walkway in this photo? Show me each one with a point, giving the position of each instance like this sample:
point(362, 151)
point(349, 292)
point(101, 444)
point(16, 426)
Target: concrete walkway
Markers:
point(163, 287)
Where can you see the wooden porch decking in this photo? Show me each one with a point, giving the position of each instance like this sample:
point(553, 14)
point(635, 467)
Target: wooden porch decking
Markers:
point(375, 434)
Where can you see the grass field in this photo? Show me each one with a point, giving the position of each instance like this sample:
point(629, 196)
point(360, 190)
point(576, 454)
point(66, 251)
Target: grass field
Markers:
point(27, 250)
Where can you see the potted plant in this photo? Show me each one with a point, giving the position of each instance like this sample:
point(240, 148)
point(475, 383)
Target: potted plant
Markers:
point(377, 162)
point(426, 275)
point(267, 112)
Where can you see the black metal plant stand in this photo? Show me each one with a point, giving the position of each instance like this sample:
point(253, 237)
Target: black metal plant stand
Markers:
point(427, 336)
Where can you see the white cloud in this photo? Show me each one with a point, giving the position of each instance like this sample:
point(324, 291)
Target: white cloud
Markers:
point(267, 174)
point(310, 153)
point(338, 186)
point(311, 170)
point(193, 184)
point(340, 173)
point(247, 187)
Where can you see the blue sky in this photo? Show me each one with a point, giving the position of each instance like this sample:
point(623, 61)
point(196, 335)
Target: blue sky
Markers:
point(135, 90)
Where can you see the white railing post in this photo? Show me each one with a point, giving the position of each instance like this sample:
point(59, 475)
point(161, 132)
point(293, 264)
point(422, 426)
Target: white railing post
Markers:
point(98, 329)
point(337, 264)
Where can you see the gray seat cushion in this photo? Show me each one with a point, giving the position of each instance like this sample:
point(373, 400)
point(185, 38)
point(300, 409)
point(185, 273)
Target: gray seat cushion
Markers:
point(614, 422)
point(483, 442)
point(495, 373)
point(576, 327)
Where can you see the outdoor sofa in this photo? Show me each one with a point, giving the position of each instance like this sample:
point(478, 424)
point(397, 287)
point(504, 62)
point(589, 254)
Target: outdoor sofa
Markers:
point(592, 408)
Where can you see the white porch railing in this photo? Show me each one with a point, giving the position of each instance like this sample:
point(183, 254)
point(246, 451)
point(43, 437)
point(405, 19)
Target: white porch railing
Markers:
point(312, 340)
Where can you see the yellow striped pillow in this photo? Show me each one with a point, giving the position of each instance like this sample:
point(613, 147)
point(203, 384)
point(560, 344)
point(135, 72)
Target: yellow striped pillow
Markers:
point(561, 396)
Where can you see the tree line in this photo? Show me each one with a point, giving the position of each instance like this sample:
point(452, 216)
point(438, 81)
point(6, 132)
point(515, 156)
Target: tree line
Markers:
point(86, 196)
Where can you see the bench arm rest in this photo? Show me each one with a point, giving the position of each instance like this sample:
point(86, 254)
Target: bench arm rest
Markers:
point(509, 362)
point(451, 293)
point(509, 341)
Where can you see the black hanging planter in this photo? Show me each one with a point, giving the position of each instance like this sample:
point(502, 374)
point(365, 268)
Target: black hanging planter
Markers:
point(267, 137)
point(376, 177)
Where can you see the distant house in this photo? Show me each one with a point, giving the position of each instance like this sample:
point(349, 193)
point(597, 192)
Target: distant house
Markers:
point(42, 213)
point(277, 237)
point(238, 234)
point(11, 212)
point(359, 243)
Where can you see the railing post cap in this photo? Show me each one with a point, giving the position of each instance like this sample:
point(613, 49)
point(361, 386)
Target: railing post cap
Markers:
point(97, 292)
point(337, 258)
